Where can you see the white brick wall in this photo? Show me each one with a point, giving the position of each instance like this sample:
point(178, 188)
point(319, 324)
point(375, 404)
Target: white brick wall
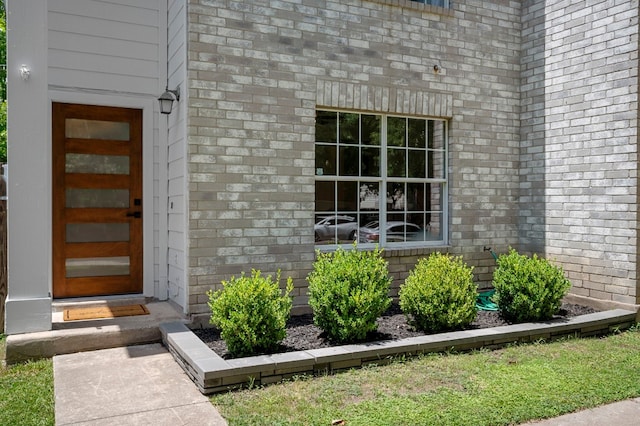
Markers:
point(542, 103)
point(580, 138)
point(258, 70)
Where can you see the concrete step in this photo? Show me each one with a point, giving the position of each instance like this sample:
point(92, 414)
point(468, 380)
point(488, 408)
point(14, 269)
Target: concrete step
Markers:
point(88, 335)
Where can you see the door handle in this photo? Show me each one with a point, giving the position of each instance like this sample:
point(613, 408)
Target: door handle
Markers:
point(136, 215)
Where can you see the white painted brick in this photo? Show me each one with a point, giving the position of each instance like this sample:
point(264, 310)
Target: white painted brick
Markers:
point(541, 96)
point(580, 44)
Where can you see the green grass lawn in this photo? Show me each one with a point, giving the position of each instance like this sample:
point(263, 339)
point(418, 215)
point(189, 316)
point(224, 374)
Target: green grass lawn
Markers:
point(26, 392)
point(506, 386)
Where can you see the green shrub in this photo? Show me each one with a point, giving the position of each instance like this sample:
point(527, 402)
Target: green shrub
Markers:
point(251, 313)
point(528, 288)
point(439, 294)
point(348, 291)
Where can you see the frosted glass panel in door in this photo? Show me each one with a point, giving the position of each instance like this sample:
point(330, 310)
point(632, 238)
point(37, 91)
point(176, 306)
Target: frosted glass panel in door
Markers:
point(97, 198)
point(96, 129)
point(97, 232)
point(98, 164)
point(97, 266)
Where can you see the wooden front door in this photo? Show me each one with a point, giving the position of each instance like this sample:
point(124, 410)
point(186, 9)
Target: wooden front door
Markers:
point(97, 200)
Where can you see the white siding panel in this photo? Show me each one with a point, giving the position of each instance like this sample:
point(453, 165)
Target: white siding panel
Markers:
point(112, 46)
point(97, 26)
point(176, 38)
point(175, 171)
point(176, 244)
point(134, 12)
point(176, 223)
point(176, 187)
point(142, 4)
point(104, 64)
point(176, 280)
point(63, 41)
point(108, 82)
point(176, 205)
point(176, 152)
point(177, 165)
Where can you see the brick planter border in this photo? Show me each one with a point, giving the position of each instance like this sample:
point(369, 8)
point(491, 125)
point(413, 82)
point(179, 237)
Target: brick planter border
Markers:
point(211, 373)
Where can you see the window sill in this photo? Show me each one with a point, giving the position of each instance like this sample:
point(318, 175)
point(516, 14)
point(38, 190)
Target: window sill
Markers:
point(391, 251)
point(409, 4)
point(413, 251)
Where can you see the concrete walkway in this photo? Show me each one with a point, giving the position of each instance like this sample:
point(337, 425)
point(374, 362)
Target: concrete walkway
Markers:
point(143, 385)
point(135, 385)
point(623, 413)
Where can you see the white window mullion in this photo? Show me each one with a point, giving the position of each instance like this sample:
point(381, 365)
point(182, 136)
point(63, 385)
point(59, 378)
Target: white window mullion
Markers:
point(383, 181)
point(445, 184)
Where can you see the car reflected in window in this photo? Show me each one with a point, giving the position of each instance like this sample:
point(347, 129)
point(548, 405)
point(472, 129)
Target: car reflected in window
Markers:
point(395, 232)
point(335, 229)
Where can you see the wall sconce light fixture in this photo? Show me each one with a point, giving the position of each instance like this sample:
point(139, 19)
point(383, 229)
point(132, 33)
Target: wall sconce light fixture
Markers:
point(167, 98)
point(25, 72)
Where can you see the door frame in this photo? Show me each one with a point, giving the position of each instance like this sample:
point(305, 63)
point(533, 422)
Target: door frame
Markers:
point(152, 286)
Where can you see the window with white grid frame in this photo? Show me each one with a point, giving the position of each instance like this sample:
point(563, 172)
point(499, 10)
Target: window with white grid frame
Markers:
point(380, 179)
point(441, 3)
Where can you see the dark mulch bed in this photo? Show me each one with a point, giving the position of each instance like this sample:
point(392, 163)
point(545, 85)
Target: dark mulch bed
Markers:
point(302, 334)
